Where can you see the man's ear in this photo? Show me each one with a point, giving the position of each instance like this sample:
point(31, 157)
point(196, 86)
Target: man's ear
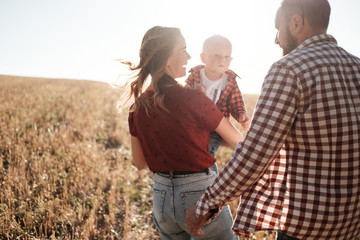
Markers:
point(296, 23)
point(202, 57)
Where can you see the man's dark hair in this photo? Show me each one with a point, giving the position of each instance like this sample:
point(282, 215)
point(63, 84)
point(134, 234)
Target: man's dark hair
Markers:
point(316, 12)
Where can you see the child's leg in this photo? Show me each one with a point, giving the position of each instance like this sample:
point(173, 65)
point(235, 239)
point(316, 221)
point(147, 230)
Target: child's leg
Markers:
point(215, 168)
point(214, 144)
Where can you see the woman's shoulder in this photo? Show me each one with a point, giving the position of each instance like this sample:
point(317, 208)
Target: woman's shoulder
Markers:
point(192, 98)
point(179, 90)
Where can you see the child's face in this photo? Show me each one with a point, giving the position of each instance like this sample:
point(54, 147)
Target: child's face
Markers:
point(217, 58)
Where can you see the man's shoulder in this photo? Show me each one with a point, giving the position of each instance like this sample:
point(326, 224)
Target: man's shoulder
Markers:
point(295, 59)
point(315, 55)
point(322, 46)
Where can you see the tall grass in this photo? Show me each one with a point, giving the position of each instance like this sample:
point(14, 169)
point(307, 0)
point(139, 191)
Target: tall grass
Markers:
point(65, 167)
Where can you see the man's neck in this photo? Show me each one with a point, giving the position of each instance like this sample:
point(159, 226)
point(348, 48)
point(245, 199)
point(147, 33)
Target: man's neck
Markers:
point(307, 33)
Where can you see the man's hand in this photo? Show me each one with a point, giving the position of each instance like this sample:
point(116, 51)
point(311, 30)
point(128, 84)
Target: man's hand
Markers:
point(194, 223)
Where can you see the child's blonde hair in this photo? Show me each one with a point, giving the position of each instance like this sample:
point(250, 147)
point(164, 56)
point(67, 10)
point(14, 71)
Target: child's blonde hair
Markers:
point(215, 40)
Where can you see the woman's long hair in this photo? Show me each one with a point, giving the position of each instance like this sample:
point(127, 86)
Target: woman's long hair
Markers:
point(156, 47)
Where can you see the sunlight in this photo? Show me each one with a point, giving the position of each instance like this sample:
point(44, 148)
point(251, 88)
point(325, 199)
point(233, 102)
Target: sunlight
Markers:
point(84, 47)
point(248, 25)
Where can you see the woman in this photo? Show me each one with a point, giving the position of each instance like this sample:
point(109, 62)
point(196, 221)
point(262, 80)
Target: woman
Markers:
point(170, 136)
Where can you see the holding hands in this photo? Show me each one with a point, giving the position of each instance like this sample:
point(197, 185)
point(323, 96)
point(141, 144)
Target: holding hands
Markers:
point(195, 223)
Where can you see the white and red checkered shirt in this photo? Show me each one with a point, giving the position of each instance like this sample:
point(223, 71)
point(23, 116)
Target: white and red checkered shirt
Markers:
point(298, 170)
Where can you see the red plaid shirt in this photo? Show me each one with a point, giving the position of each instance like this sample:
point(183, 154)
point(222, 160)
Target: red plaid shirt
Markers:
point(231, 100)
point(298, 170)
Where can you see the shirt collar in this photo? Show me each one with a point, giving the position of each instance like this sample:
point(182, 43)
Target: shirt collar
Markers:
point(316, 39)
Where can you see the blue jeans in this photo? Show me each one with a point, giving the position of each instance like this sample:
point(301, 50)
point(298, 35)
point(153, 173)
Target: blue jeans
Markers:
point(215, 142)
point(172, 196)
point(282, 236)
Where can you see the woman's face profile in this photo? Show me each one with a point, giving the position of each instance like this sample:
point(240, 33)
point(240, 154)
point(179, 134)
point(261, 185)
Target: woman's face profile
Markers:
point(177, 61)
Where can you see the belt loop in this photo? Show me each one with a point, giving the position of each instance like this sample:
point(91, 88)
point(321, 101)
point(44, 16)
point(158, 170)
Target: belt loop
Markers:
point(171, 174)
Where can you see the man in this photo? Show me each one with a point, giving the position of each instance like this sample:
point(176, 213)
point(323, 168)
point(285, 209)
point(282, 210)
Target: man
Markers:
point(298, 170)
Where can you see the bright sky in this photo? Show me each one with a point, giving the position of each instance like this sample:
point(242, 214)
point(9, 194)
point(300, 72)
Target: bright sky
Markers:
point(81, 39)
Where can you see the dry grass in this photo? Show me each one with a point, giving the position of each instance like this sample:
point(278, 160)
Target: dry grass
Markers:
point(65, 167)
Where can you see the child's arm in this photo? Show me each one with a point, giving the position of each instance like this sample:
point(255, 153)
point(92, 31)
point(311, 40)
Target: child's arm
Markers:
point(237, 108)
point(190, 80)
point(194, 77)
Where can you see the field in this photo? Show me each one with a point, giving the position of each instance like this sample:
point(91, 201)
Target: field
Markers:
point(65, 165)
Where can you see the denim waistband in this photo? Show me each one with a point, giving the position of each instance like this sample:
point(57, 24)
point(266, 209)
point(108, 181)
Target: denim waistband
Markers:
point(177, 173)
point(166, 179)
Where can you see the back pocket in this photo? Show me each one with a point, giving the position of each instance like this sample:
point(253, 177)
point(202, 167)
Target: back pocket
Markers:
point(158, 204)
point(221, 222)
point(190, 198)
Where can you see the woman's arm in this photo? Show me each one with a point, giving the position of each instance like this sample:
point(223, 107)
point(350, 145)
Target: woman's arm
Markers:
point(138, 154)
point(229, 133)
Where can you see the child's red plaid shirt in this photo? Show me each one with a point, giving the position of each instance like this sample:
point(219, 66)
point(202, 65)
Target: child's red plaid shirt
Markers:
point(231, 101)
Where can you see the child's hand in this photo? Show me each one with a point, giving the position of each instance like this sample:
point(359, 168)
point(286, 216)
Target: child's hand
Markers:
point(245, 122)
point(197, 86)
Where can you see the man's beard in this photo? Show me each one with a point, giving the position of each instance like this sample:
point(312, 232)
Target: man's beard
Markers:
point(291, 42)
